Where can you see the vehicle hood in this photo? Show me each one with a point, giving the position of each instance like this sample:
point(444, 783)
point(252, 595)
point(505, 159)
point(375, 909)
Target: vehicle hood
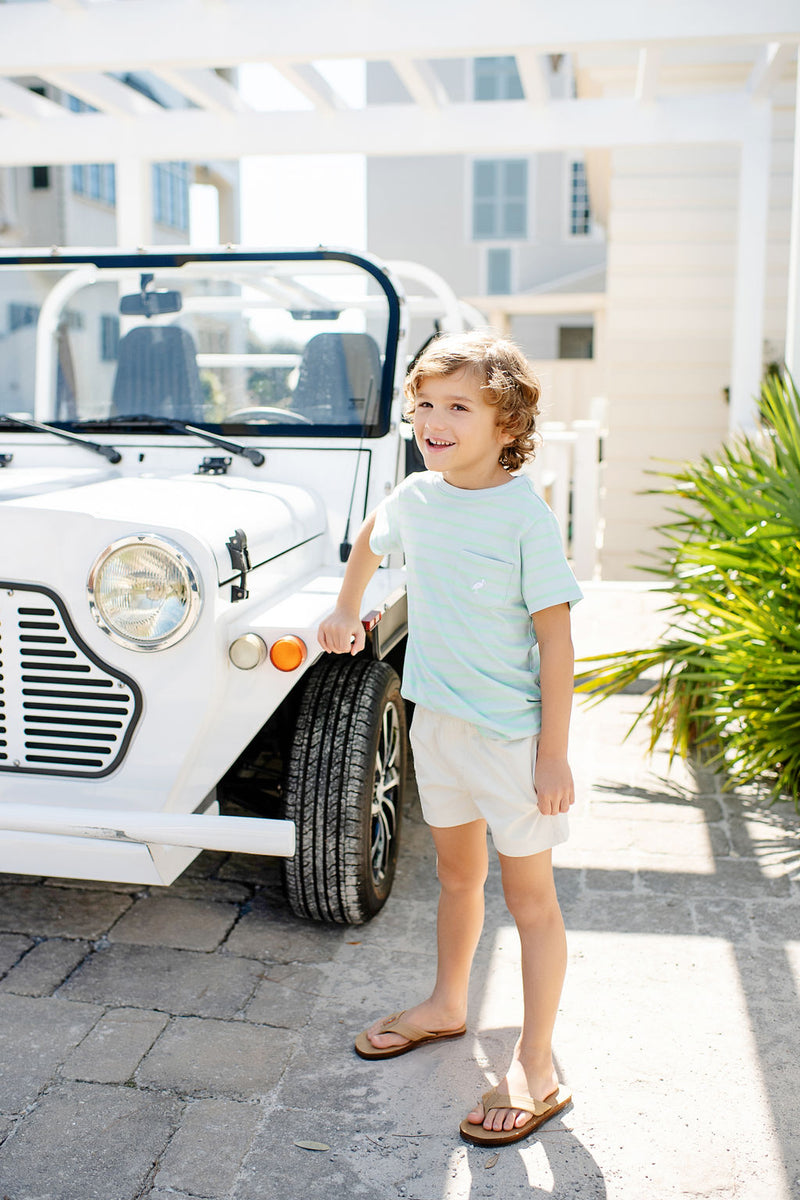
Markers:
point(275, 517)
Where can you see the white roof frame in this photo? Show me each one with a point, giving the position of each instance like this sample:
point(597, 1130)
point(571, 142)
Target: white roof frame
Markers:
point(502, 127)
point(118, 35)
point(75, 45)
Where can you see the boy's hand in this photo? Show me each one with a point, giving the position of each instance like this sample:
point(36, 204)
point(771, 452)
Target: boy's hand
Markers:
point(342, 632)
point(555, 790)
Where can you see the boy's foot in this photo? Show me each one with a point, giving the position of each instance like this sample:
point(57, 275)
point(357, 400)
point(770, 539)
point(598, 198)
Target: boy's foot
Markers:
point(425, 1019)
point(538, 1085)
point(537, 1112)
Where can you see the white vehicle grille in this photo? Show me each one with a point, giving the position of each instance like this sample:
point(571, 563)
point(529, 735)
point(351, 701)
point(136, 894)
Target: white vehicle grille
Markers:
point(63, 711)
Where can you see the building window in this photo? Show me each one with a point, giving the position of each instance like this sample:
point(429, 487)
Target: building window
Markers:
point(500, 198)
point(575, 341)
point(95, 181)
point(109, 338)
point(20, 315)
point(497, 79)
point(40, 178)
point(72, 319)
point(580, 218)
point(171, 194)
point(498, 271)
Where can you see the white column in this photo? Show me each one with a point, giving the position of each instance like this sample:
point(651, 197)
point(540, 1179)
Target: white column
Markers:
point(792, 353)
point(585, 497)
point(134, 202)
point(751, 256)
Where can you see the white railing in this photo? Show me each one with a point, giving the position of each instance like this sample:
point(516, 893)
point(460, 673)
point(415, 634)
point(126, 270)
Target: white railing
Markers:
point(566, 472)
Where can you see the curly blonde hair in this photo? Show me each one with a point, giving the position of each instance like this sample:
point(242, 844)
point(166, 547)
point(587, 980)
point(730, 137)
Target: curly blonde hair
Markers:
point(505, 377)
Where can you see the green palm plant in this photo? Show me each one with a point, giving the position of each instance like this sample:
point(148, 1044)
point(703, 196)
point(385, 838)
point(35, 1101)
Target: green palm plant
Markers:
point(728, 666)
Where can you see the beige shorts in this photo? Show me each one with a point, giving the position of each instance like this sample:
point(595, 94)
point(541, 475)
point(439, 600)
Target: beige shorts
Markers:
point(465, 775)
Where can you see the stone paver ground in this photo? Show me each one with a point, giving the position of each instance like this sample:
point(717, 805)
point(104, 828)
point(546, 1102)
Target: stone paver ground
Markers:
point(177, 1043)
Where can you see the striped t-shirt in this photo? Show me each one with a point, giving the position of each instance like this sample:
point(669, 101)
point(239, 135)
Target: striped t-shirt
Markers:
point(478, 564)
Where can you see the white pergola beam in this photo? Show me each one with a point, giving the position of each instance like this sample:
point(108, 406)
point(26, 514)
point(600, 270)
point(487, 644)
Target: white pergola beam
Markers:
point(532, 77)
point(205, 88)
point(526, 304)
point(20, 106)
point(104, 92)
point(421, 82)
point(314, 86)
point(118, 35)
point(770, 65)
point(649, 68)
point(508, 126)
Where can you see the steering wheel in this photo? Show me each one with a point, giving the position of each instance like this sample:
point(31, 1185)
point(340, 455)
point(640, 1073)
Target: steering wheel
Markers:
point(251, 416)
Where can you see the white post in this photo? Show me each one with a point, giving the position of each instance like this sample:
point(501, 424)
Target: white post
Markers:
point(585, 497)
point(748, 313)
point(558, 455)
point(792, 352)
point(134, 202)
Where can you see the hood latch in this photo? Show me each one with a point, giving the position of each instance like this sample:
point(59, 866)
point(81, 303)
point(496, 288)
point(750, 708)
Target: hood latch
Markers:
point(240, 561)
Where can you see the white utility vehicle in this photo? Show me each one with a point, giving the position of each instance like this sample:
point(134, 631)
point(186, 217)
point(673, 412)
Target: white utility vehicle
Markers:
point(188, 443)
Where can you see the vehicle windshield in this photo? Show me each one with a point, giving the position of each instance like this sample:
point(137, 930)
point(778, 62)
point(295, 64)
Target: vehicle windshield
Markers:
point(284, 344)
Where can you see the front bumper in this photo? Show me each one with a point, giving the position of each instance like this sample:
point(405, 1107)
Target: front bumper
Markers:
point(127, 847)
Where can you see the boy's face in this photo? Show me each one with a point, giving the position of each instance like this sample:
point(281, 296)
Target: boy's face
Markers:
point(457, 432)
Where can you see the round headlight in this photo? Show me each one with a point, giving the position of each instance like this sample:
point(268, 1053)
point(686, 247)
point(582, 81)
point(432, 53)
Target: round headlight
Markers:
point(144, 592)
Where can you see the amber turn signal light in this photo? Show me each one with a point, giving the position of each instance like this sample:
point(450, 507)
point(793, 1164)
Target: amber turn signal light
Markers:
point(288, 653)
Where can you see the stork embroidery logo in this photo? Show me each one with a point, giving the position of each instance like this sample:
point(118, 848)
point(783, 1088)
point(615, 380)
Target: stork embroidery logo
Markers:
point(478, 584)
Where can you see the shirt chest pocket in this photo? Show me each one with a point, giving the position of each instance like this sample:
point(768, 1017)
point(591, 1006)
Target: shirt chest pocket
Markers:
point(485, 581)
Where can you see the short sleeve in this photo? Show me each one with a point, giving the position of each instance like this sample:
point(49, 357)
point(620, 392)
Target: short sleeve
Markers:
point(385, 537)
point(547, 578)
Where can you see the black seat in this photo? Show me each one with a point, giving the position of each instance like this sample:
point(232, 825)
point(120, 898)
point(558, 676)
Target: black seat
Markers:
point(339, 379)
point(157, 374)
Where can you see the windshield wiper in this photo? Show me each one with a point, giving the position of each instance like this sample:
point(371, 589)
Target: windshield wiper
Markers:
point(108, 452)
point(255, 456)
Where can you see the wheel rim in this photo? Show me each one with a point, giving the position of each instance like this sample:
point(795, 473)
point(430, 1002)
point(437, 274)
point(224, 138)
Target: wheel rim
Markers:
point(385, 794)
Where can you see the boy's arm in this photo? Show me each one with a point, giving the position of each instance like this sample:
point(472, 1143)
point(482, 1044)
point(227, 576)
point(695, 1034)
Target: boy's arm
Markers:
point(342, 631)
point(552, 776)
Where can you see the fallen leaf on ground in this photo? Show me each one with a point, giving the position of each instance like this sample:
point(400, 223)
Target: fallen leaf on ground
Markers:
point(490, 1162)
point(310, 1145)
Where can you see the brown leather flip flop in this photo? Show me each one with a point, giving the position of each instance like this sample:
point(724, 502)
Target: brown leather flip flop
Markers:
point(540, 1110)
point(416, 1037)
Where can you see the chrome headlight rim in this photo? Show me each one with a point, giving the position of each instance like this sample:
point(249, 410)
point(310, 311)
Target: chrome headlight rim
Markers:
point(189, 620)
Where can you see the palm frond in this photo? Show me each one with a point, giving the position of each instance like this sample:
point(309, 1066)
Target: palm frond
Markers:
point(725, 674)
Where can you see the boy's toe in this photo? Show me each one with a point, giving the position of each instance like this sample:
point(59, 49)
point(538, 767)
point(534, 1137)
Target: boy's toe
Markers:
point(382, 1041)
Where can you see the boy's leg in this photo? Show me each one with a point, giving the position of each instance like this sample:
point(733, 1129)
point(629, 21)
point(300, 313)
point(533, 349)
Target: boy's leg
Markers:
point(531, 898)
point(462, 864)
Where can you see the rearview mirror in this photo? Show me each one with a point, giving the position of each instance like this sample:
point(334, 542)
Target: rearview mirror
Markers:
point(150, 303)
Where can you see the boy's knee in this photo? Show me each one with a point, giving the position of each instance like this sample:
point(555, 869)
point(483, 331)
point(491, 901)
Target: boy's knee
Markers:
point(532, 906)
point(461, 877)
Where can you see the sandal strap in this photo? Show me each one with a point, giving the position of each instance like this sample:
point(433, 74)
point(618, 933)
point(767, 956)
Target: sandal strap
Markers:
point(495, 1099)
point(404, 1029)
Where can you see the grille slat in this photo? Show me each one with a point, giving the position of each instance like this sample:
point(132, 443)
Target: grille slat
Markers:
point(55, 728)
point(81, 708)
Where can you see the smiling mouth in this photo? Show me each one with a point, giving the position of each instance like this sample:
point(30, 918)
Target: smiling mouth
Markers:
point(437, 444)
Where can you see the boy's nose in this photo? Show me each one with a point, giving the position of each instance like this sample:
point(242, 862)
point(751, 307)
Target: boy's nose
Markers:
point(434, 420)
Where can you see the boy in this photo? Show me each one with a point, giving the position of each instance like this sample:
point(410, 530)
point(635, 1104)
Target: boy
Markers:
point(489, 665)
